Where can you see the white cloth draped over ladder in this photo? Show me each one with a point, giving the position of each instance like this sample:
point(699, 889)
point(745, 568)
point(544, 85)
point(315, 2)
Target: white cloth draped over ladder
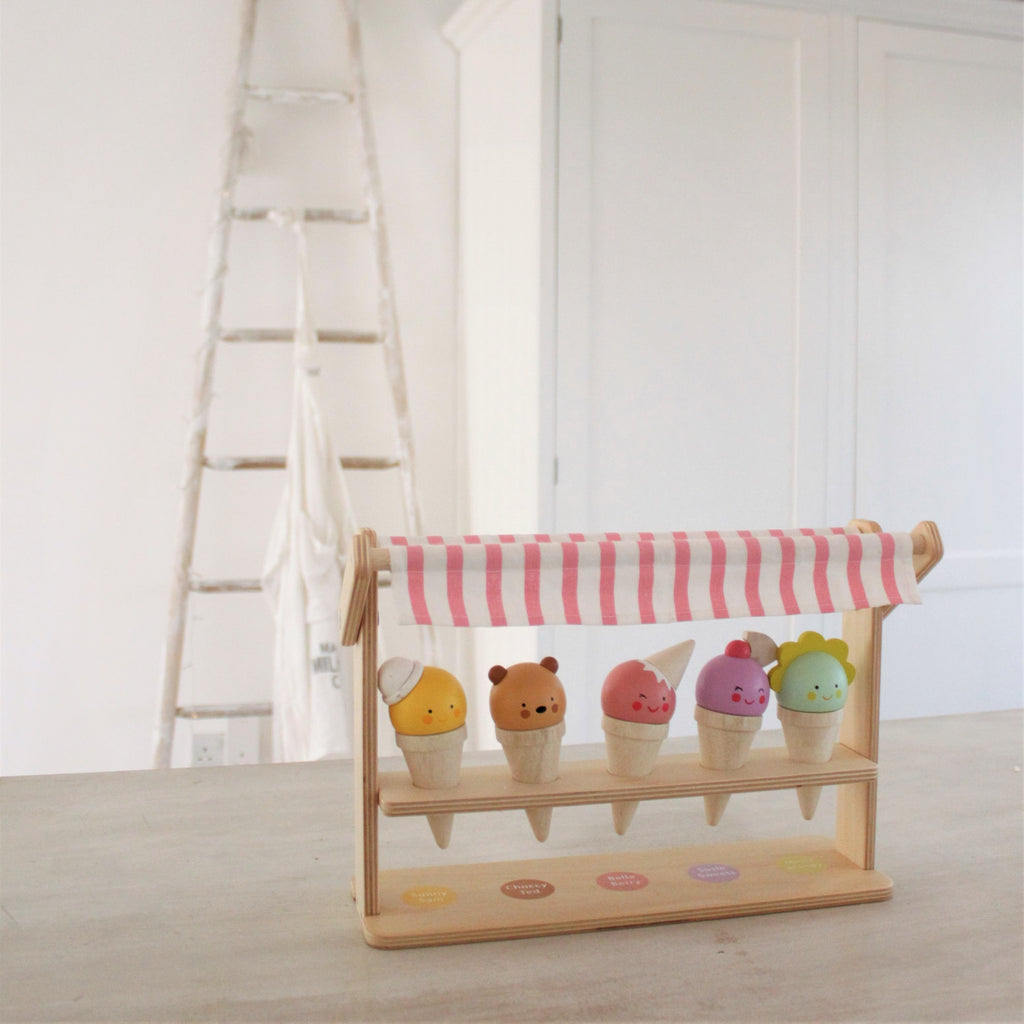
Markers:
point(302, 572)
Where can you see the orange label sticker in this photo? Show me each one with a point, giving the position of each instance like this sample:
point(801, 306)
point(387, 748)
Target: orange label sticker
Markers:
point(528, 889)
point(428, 896)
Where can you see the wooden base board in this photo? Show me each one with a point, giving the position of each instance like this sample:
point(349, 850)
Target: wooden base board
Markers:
point(434, 906)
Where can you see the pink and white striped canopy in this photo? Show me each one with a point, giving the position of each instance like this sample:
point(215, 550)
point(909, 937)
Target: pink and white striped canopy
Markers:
point(626, 579)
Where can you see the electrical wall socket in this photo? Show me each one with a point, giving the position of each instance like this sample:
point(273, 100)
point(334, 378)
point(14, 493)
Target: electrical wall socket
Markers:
point(243, 744)
point(207, 749)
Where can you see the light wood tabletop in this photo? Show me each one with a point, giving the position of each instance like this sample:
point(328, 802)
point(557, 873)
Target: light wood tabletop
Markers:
point(224, 894)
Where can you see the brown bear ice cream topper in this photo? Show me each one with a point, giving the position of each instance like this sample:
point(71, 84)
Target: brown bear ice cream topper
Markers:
point(527, 695)
point(528, 708)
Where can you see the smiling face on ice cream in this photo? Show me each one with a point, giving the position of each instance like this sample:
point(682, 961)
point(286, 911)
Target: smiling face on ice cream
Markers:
point(636, 691)
point(812, 674)
point(527, 696)
point(733, 683)
point(434, 705)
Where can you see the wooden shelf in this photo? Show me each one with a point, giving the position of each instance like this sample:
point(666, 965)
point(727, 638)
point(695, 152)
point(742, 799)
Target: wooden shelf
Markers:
point(491, 788)
point(427, 906)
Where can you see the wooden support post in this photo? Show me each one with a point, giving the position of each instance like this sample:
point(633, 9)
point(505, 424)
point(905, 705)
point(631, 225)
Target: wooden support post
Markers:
point(363, 595)
point(856, 805)
point(862, 631)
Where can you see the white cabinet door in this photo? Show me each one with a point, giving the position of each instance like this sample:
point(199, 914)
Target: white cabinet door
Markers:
point(939, 352)
point(692, 383)
point(693, 222)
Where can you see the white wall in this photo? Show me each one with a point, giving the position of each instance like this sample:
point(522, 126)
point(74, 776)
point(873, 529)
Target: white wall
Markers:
point(113, 119)
point(789, 266)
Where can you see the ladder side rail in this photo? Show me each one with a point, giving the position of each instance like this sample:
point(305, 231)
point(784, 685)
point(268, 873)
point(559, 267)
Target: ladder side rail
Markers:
point(387, 311)
point(213, 298)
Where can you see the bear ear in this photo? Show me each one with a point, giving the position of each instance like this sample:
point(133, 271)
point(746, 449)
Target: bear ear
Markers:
point(497, 673)
point(549, 663)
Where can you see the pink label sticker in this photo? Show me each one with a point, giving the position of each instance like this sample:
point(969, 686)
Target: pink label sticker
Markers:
point(622, 881)
point(528, 889)
point(428, 896)
point(713, 873)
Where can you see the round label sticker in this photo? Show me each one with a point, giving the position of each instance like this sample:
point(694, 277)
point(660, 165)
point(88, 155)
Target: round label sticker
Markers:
point(713, 873)
point(528, 889)
point(428, 896)
point(622, 881)
point(801, 863)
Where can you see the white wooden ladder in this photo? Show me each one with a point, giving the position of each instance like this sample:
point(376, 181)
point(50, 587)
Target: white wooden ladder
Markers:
point(184, 581)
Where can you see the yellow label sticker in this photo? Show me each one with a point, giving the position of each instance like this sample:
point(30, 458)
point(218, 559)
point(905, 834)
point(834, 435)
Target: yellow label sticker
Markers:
point(428, 896)
point(801, 863)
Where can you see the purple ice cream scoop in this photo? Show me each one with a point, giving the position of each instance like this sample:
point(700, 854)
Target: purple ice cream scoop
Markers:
point(733, 683)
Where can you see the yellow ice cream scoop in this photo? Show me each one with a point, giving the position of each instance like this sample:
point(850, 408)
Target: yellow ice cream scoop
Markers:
point(422, 700)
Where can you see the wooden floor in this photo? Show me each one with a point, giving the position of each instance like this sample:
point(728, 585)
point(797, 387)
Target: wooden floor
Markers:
point(223, 894)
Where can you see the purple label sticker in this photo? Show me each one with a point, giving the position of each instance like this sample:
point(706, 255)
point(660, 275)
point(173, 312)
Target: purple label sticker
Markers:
point(713, 873)
point(528, 889)
point(622, 881)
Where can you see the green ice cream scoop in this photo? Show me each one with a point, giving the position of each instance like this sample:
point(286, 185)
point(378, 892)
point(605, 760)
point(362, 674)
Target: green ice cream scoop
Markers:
point(815, 681)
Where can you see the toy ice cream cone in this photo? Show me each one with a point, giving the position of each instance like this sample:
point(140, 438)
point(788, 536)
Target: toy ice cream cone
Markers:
point(725, 742)
point(528, 708)
point(638, 699)
point(533, 756)
point(435, 762)
point(732, 694)
point(427, 707)
point(812, 680)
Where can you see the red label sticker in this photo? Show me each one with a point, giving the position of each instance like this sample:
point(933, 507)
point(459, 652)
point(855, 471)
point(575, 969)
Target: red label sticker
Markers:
point(713, 873)
point(622, 881)
point(528, 889)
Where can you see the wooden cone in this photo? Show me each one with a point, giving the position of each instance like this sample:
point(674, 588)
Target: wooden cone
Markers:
point(622, 814)
point(810, 739)
point(808, 798)
point(810, 736)
point(714, 807)
point(435, 762)
point(632, 749)
point(725, 742)
point(532, 756)
point(540, 821)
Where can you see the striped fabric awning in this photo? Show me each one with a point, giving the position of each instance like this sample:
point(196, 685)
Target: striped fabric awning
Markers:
point(627, 579)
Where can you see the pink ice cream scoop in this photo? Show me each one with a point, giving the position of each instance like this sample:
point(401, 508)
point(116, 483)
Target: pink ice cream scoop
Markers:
point(636, 691)
point(733, 683)
point(638, 698)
